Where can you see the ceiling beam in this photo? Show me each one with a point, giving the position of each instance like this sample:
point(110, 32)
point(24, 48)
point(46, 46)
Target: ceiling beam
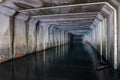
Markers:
point(78, 30)
point(64, 6)
point(74, 27)
point(77, 8)
point(69, 19)
point(69, 23)
point(71, 26)
point(88, 28)
point(78, 33)
point(74, 24)
point(69, 15)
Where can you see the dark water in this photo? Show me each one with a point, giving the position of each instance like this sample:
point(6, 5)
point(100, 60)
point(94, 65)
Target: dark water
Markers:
point(69, 62)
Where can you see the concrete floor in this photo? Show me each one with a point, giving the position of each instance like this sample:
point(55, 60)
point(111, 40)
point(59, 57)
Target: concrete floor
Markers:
point(75, 61)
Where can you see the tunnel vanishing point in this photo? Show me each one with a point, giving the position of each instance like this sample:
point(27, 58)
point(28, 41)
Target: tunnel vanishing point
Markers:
point(28, 26)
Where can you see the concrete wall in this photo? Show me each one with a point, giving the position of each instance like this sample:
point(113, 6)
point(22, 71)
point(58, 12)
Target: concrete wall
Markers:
point(21, 35)
point(20, 40)
point(119, 38)
point(32, 36)
point(4, 37)
point(6, 26)
point(104, 35)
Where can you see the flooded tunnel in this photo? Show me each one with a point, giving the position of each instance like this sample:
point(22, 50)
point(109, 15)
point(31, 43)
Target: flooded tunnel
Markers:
point(59, 40)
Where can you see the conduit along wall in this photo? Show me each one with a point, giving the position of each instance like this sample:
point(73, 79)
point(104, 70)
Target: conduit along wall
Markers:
point(21, 35)
point(103, 34)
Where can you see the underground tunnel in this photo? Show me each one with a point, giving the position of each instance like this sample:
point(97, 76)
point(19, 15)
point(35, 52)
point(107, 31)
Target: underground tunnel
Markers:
point(59, 39)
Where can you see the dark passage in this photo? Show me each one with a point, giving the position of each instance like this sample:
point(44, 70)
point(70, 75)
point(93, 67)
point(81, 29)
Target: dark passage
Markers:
point(69, 62)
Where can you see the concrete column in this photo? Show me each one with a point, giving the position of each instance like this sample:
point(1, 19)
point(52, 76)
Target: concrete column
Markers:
point(99, 36)
point(51, 33)
point(46, 35)
point(37, 36)
point(40, 38)
point(62, 37)
point(66, 37)
point(32, 35)
point(20, 35)
point(103, 32)
point(56, 36)
point(59, 37)
point(111, 35)
point(27, 35)
point(6, 33)
point(118, 38)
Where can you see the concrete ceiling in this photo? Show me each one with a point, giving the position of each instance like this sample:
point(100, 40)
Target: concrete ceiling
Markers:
point(28, 4)
point(70, 15)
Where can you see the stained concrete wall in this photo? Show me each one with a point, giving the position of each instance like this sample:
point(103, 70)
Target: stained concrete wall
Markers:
point(103, 35)
point(40, 38)
point(6, 26)
point(21, 35)
point(102, 38)
point(32, 36)
point(4, 37)
point(118, 37)
point(116, 4)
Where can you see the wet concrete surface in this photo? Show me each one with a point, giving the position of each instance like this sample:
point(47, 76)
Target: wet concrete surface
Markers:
point(77, 61)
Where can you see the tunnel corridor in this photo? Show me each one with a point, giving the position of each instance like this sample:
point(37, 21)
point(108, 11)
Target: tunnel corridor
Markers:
point(59, 39)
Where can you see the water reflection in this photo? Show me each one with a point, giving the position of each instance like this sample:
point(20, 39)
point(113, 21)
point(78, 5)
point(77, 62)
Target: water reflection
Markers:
point(68, 62)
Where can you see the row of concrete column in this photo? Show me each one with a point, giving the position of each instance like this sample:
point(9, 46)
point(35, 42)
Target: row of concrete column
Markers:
point(21, 35)
point(103, 35)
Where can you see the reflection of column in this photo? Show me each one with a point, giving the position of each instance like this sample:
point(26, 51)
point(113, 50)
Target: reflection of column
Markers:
point(13, 71)
point(46, 58)
point(44, 63)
